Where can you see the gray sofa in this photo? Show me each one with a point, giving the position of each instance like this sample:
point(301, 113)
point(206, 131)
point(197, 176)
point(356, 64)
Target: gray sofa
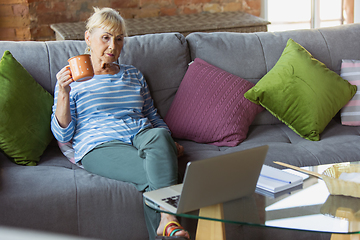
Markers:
point(59, 196)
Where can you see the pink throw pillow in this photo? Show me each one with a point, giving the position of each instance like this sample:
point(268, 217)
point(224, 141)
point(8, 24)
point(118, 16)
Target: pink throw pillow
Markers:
point(350, 113)
point(210, 107)
point(68, 151)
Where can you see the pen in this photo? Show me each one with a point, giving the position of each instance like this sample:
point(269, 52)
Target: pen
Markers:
point(280, 180)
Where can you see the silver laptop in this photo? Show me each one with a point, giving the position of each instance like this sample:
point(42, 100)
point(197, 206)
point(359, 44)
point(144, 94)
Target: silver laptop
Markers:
point(212, 181)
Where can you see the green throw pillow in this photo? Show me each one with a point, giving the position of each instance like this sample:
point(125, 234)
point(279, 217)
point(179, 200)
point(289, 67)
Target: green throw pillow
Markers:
point(302, 92)
point(25, 109)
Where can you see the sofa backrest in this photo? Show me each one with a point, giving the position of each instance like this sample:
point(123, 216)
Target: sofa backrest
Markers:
point(162, 58)
point(252, 55)
point(43, 59)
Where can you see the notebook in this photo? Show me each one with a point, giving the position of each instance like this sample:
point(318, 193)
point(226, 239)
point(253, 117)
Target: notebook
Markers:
point(212, 181)
point(275, 180)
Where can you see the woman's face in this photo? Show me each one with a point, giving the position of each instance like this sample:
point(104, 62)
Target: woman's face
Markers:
point(105, 46)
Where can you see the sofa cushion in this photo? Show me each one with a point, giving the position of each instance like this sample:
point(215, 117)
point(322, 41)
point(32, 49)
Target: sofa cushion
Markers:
point(350, 113)
point(210, 107)
point(25, 113)
point(302, 92)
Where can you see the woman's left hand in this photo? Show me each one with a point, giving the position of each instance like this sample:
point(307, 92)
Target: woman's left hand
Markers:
point(180, 149)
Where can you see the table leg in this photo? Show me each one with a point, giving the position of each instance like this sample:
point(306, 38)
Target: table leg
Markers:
point(345, 236)
point(208, 229)
point(354, 224)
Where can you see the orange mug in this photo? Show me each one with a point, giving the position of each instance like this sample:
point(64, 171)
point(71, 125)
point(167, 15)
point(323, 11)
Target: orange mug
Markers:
point(81, 68)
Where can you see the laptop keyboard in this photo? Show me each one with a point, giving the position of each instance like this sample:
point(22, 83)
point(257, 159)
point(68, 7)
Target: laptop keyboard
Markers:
point(173, 201)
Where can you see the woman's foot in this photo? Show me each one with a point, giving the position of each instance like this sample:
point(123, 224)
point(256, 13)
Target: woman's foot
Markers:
point(164, 223)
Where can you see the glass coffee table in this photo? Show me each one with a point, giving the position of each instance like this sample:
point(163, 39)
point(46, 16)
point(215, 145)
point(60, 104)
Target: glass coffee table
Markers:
point(309, 208)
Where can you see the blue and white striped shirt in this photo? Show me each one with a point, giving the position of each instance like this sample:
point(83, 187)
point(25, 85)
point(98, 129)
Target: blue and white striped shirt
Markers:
point(106, 108)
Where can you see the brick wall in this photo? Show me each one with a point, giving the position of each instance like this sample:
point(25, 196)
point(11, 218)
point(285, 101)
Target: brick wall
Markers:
point(30, 19)
point(14, 20)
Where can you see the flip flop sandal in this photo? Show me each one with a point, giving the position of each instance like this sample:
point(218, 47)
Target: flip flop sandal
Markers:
point(170, 229)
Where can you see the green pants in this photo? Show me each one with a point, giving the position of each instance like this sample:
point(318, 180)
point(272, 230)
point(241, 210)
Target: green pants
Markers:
point(149, 163)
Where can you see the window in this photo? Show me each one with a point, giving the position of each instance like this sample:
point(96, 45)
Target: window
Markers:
point(304, 14)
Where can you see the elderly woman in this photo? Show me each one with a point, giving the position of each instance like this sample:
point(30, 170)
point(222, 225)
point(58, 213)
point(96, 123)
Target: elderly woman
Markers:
point(111, 120)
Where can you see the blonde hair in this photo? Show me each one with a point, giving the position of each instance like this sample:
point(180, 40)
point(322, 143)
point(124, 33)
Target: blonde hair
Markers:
point(108, 19)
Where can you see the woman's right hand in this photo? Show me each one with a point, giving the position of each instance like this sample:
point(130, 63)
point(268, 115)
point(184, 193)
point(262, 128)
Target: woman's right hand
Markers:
point(62, 112)
point(64, 79)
